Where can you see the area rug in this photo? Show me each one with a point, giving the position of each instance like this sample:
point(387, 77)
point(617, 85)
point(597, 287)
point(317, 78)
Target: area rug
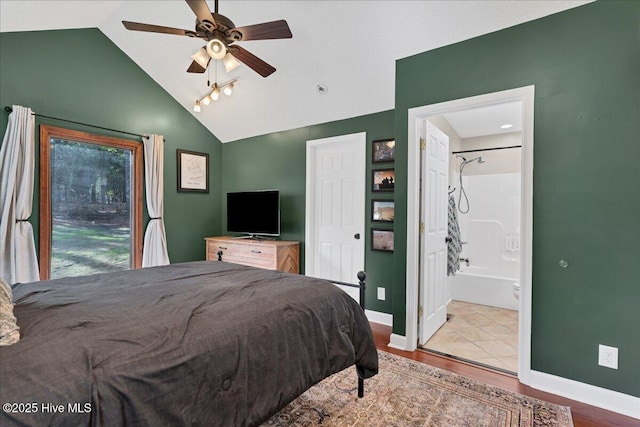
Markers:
point(409, 393)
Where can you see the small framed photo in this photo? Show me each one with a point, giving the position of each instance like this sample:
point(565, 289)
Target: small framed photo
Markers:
point(193, 171)
point(382, 210)
point(381, 240)
point(384, 180)
point(383, 150)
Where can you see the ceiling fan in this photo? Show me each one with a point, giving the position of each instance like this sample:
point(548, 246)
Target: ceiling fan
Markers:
point(221, 34)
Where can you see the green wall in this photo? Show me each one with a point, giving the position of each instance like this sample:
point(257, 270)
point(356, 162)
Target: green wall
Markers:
point(81, 75)
point(278, 160)
point(585, 65)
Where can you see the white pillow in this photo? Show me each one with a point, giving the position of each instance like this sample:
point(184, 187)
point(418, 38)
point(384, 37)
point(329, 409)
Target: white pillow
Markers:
point(9, 330)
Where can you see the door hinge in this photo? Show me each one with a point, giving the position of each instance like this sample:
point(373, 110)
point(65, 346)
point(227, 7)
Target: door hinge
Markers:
point(421, 227)
point(420, 311)
point(423, 144)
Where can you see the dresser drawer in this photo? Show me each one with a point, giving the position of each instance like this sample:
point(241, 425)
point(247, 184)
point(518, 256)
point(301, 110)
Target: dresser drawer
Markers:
point(258, 252)
point(269, 254)
point(229, 249)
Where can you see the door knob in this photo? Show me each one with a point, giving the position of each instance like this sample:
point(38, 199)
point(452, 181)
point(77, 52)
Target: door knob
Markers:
point(356, 236)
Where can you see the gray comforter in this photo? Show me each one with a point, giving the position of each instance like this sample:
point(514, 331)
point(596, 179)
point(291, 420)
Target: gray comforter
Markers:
point(202, 343)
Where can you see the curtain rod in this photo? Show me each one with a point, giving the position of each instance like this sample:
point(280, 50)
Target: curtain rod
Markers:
point(9, 110)
point(486, 149)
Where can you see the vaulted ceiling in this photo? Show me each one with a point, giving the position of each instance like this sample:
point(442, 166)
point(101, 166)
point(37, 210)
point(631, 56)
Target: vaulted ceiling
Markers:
point(350, 47)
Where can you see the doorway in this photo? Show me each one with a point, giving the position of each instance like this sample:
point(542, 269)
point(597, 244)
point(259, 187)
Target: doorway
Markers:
point(417, 117)
point(335, 203)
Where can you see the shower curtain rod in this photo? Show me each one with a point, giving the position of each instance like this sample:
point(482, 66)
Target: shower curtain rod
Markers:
point(9, 110)
point(486, 149)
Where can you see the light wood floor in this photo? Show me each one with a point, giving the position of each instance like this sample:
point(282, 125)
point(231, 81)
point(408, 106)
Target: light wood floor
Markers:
point(583, 415)
point(483, 334)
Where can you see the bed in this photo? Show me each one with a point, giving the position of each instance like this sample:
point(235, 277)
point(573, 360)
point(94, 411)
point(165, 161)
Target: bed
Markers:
point(200, 343)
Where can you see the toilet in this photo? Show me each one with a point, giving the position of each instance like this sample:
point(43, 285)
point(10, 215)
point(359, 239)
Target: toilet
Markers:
point(516, 290)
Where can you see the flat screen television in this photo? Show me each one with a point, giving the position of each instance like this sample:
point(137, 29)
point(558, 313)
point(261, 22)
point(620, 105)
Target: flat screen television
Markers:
point(254, 212)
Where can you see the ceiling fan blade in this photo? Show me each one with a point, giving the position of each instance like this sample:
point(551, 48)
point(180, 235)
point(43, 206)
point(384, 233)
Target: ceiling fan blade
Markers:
point(268, 30)
point(195, 68)
point(252, 61)
point(202, 12)
point(136, 26)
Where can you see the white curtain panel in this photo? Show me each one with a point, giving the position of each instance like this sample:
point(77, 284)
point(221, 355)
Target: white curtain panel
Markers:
point(154, 251)
point(18, 259)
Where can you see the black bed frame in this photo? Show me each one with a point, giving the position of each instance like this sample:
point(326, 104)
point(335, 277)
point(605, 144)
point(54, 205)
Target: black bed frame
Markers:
point(361, 285)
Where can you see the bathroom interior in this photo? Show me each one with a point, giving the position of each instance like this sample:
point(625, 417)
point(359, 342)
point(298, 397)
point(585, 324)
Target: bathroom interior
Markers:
point(485, 183)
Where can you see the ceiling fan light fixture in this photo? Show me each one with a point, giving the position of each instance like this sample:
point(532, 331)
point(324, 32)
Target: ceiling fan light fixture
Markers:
point(228, 89)
point(196, 107)
point(218, 32)
point(216, 48)
point(202, 57)
point(229, 62)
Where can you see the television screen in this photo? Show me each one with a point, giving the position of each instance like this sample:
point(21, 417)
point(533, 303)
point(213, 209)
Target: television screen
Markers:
point(254, 212)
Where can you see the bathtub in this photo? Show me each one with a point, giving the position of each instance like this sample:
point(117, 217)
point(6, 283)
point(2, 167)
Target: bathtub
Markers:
point(472, 284)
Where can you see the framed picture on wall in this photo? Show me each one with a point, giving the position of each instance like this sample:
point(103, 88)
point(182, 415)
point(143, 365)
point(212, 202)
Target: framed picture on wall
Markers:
point(383, 150)
point(193, 171)
point(381, 240)
point(384, 180)
point(382, 210)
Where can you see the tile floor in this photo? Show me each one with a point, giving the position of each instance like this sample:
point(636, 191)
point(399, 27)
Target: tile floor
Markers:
point(488, 335)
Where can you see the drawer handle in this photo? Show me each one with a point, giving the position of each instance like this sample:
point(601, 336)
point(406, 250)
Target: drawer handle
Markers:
point(221, 247)
point(255, 251)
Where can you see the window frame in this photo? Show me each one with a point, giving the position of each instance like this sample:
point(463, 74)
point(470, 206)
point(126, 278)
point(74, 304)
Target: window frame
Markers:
point(46, 133)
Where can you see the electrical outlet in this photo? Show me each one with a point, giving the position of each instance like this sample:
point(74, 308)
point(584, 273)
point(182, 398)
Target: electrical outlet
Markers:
point(608, 356)
point(381, 292)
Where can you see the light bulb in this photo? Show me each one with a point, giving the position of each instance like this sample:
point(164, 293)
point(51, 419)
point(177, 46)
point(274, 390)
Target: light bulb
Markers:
point(196, 107)
point(206, 100)
point(215, 93)
point(216, 49)
point(228, 89)
point(202, 57)
point(230, 62)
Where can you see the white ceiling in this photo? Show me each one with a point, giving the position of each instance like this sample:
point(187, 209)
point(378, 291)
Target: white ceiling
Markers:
point(487, 120)
point(349, 46)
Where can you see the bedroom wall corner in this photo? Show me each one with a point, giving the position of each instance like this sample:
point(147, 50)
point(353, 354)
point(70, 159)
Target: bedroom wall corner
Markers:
point(81, 75)
point(278, 161)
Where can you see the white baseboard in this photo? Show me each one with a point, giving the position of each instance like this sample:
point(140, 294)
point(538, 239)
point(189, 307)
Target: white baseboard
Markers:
point(379, 317)
point(592, 395)
point(586, 393)
point(398, 341)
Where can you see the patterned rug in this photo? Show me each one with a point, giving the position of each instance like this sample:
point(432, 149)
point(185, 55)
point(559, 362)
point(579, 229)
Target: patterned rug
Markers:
point(408, 393)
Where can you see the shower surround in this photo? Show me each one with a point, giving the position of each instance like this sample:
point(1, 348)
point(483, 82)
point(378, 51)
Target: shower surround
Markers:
point(491, 229)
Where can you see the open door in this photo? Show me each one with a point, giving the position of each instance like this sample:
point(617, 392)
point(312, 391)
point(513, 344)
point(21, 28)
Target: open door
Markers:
point(433, 231)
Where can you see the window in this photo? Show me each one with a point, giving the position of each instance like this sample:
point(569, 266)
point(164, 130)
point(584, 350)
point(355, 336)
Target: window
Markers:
point(90, 203)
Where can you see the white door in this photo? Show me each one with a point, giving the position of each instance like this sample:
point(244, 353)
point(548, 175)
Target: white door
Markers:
point(433, 247)
point(335, 211)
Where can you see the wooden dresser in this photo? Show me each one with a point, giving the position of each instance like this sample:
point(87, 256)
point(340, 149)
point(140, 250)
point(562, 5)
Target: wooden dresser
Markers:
point(270, 254)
